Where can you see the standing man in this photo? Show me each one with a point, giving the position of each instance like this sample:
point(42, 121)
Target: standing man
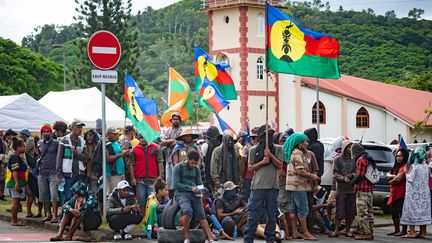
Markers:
point(167, 144)
point(364, 197)
point(344, 170)
point(116, 167)
point(48, 181)
point(145, 166)
point(299, 181)
point(3, 161)
point(213, 141)
point(246, 173)
point(265, 161)
point(225, 164)
point(186, 179)
point(71, 158)
point(60, 128)
point(126, 140)
point(317, 148)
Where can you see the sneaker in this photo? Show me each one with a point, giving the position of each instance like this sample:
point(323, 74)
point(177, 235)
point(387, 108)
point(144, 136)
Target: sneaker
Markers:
point(117, 237)
point(128, 236)
point(186, 241)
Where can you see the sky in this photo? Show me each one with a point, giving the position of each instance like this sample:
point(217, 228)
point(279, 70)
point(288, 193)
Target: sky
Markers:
point(20, 17)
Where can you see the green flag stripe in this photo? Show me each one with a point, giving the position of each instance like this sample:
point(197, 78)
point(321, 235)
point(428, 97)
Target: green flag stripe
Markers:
point(177, 87)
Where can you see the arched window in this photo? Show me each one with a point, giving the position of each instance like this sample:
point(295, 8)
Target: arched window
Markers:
point(260, 68)
point(362, 118)
point(322, 113)
point(260, 25)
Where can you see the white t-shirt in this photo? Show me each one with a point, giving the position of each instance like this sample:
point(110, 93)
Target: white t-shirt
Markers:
point(123, 201)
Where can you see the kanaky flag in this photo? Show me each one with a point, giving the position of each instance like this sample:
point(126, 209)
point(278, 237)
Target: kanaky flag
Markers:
point(224, 126)
point(215, 72)
point(140, 110)
point(211, 98)
point(296, 50)
point(179, 98)
point(402, 144)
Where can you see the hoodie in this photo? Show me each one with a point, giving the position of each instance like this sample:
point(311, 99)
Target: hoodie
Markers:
point(316, 147)
point(344, 165)
point(213, 141)
point(225, 165)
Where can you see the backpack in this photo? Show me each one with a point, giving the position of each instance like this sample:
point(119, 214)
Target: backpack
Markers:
point(372, 173)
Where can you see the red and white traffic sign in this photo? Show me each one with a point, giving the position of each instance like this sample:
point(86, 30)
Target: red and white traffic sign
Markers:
point(104, 49)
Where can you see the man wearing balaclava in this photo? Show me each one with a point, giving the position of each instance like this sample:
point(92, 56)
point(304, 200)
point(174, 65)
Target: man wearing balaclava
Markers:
point(364, 193)
point(225, 164)
point(265, 159)
point(213, 141)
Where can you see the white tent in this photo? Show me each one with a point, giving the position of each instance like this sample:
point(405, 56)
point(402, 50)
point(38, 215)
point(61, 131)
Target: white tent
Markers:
point(22, 111)
point(84, 105)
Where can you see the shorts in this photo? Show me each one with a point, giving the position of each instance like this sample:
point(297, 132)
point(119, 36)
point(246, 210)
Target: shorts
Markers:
point(284, 199)
point(345, 205)
point(15, 194)
point(299, 204)
point(48, 188)
point(396, 207)
point(191, 205)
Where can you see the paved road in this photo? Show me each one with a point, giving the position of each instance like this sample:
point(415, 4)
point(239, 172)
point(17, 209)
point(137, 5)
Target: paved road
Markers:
point(29, 234)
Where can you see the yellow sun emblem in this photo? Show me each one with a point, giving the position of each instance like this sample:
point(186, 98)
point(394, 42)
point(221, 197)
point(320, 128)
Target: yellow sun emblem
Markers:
point(133, 105)
point(208, 93)
point(206, 69)
point(287, 41)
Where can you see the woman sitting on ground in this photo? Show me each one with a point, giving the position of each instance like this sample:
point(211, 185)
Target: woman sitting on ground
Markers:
point(155, 204)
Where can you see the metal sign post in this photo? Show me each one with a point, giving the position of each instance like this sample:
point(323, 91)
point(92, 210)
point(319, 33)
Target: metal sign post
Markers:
point(104, 150)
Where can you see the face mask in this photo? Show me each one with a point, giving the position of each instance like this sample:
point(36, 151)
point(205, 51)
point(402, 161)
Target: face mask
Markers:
point(231, 194)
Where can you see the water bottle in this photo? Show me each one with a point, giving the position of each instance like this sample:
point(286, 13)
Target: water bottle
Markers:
point(149, 232)
point(235, 232)
point(61, 187)
point(155, 230)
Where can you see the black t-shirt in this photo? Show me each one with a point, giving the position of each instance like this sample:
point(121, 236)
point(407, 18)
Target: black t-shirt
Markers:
point(229, 206)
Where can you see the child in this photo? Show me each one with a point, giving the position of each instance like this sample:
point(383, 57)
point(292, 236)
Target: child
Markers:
point(211, 215)
point(16, 179)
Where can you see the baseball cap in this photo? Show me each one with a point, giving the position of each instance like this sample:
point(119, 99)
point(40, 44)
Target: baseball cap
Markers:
point(25, 132)
point(123, 184)
point(112, 130)
point(175, 114)
point(76, 123)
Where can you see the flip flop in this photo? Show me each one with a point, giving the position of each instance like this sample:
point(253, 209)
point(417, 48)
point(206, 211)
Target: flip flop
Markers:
point(54, 221)
point(408, 236)
point(29, 216)
point(57, 239)
point(37, 216)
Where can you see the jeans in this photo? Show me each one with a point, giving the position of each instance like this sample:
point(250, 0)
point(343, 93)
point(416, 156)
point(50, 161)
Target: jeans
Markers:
point(69, 182)
point(246, 189)
point(143, 192)
point(262, 199)
point(215, 222)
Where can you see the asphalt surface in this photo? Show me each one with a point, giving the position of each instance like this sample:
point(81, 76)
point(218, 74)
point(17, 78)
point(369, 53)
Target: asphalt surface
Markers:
point(10, 233)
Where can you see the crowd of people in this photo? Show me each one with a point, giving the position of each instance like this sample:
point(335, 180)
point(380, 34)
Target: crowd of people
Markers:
point(258, 184)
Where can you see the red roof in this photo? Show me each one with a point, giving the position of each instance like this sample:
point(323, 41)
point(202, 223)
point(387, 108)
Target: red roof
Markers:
point(407, 104)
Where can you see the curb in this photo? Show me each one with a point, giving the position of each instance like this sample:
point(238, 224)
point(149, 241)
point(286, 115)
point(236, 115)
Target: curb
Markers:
point(95, 235)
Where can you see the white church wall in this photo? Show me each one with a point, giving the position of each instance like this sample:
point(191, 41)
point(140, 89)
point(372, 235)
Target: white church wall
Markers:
point(256, 115)
point(287, 101)
point(394, 127)
point(332, 103)
point(376, 130)
point(222, 30)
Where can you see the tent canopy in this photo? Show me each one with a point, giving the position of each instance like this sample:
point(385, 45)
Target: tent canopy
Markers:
point(84, 105)
point(22, 111)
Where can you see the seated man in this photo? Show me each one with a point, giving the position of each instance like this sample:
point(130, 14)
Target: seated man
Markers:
point(81, 210)
point(231, 209)
point(123, 212)
point(186, 179)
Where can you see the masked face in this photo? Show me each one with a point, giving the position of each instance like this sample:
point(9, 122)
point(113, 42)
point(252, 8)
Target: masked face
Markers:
point(231, 194)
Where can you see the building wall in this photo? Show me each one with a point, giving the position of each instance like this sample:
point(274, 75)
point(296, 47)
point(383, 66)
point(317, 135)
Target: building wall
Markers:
point(256, 115)
point(255, 40)
point(332, 103)
point(425, 134)
point(394, 127)
point(226, 35)
point(287, 101)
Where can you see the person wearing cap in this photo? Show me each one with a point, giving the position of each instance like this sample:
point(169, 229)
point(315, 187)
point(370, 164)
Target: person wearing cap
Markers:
point(47, 180)
point(186, 181)
point(71, 158)
point(265, 159)
point(241, 141)
point(123, 212)
point(81, 210)
point(145, 166)
point(246, 173)
point(299, 181)
point(167, 145)
point(231, 209)
point(225, 165)
point(116, 166)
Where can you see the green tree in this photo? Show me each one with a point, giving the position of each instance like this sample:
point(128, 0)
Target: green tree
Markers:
point(416, 13)
point(114, 16)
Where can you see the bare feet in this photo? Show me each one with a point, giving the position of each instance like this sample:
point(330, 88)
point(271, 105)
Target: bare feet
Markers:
point(57, 238)
point(309, 236)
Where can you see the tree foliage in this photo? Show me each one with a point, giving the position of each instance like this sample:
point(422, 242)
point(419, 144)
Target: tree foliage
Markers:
point(24, 71)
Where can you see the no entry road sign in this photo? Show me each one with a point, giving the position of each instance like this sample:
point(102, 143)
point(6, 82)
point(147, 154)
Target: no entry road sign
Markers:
point(104, 49)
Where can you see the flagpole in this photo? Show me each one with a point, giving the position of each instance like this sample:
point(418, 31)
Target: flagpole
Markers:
point(317, 107)
point(266, 67)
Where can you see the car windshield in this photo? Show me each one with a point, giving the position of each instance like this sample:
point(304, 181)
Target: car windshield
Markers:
point(381, 155)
